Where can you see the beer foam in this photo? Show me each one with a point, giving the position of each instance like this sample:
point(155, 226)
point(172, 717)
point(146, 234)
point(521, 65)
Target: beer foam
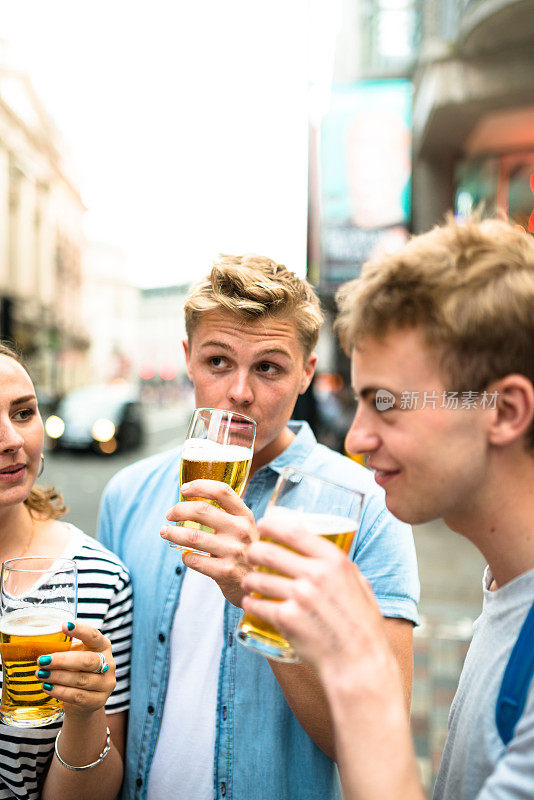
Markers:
point(318, 524)
point(206, 450)
point(34, 622)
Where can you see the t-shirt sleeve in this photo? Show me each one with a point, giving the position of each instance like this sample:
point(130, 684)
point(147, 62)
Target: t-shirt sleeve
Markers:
point(117, 626)
point(385, 554)
point(513, 776)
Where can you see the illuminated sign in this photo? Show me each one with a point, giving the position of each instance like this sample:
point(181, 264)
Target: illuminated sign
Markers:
point(498, 183)
point(365, 175)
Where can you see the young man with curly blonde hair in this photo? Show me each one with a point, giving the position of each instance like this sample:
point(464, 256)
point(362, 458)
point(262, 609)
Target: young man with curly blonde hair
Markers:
point(446, 324)
point(210, 718)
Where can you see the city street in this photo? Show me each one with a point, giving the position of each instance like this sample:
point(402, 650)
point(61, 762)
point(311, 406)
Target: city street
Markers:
point(82, 476)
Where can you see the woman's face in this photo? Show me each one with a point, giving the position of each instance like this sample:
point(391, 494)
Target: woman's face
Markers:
point(21, 433)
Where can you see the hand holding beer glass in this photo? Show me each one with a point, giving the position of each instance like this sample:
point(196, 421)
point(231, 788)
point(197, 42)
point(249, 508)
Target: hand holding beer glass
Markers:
point(338, 520)
point(219, 446)
point(37, 597)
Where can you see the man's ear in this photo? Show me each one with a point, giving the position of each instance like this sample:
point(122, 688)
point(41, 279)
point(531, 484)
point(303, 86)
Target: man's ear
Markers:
point(309, 369)
point(187, 354)
point(514, 409)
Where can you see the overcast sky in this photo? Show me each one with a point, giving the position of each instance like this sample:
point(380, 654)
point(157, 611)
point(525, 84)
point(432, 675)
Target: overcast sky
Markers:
point(187, 122)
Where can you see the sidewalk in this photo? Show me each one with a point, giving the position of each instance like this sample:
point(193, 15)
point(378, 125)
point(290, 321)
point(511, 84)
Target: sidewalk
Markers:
point(450, 570)
point(169, 416)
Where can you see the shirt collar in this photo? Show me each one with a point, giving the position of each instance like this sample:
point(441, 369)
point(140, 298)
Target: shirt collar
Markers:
point(299, 449)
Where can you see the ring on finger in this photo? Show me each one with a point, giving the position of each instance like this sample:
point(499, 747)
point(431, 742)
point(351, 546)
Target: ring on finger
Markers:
point(103, 666)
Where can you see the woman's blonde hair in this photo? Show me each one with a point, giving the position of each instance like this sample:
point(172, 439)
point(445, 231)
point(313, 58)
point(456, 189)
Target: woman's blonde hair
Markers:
point(41, 501)
point(252, 286)
point(468, 285)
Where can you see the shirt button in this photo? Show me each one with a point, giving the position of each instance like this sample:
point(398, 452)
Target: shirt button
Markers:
point(223, 789)
point(230, 639)
point(224, 712)
point(178, 570)
point(161, 637)
point(139, 782)
point(150, 709)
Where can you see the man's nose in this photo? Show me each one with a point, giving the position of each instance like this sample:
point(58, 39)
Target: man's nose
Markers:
point(10, 438)
point(240, 392)
point(362, 437)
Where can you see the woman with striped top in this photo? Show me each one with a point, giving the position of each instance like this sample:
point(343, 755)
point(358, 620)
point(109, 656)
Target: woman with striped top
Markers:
point(81, 757)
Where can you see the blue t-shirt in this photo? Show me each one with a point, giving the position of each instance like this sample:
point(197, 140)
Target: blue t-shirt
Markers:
point(261, 750)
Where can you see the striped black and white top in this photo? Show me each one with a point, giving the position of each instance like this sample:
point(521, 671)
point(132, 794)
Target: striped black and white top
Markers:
point(104, 601)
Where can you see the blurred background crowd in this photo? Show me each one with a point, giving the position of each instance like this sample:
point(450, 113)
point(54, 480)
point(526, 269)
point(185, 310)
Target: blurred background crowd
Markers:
point(137, 142)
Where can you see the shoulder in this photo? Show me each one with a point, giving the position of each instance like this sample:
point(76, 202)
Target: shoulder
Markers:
point(91, 556)
point(105, 594)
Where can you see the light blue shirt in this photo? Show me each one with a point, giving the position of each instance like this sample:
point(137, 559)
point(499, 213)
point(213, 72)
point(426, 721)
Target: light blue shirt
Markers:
point(261, 751)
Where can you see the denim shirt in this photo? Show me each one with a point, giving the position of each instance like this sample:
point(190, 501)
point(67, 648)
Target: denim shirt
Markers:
point(261, 751)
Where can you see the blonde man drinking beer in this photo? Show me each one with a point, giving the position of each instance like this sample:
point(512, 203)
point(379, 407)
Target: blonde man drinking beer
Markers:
point(209, 718)
point(450, 315)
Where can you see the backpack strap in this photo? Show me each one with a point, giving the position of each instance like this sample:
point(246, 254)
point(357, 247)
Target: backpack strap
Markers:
point(516, 680)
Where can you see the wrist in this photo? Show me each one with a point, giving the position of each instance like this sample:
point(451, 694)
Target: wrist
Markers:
point(372, 685)
point(77, 719)
point(82, 767)
point(76, 714)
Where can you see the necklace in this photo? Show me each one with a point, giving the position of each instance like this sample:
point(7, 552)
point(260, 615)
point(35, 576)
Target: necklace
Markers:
point(30, 540)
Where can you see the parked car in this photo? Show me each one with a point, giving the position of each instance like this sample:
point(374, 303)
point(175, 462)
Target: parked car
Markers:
point(106, 418)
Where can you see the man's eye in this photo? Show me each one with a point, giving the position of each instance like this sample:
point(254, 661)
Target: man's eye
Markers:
point(217, 361)
point(267, 368)
point(24, 414)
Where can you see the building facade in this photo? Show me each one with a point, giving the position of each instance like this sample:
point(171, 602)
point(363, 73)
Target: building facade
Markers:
point(160, 360)
point(473, 110)
point(41, 241)
point(111, 308)
point(360, 161)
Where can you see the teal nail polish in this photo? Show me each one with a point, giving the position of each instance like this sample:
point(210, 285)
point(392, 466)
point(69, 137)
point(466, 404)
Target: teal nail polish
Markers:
point(43, 673)
point(44, 661)
point(48, 687)
point(106, 667)
point(71, 626)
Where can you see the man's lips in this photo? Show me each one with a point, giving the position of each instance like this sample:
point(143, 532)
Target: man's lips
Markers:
point(383, 476)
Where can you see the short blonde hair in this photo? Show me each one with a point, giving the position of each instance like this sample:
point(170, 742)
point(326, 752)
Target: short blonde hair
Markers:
point(252, 287)
point(468, 285)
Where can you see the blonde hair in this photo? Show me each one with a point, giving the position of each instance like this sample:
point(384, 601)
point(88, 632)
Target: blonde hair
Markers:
point(252, 287)
point(468, 285)
point(42, 501)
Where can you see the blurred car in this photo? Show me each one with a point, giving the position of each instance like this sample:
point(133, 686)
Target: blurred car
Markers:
point(105, 418)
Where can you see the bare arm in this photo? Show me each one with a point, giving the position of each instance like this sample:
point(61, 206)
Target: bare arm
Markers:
point(373, 742)
point(81, 742)
point(399, 633)
point(306, 697)
point(73, 678)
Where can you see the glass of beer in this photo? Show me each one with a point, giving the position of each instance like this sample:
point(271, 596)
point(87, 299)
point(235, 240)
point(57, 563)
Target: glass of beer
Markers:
point(313, 505)
point(218, 447)
point(37, 597)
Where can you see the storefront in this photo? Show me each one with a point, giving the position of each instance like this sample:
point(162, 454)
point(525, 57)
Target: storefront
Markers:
point(498, 168)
